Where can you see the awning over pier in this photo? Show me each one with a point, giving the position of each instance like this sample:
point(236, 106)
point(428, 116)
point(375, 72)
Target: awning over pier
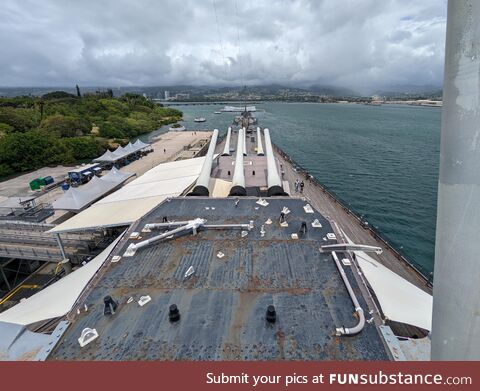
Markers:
point(56, 299)
point(121, 152)
point(77, 198)
point(401, 301)
point(108, 156)
point(138, 197)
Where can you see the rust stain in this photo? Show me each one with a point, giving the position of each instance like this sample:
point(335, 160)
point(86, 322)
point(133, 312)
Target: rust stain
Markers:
point(232, 346)
point(281, 343)
point(29, 356)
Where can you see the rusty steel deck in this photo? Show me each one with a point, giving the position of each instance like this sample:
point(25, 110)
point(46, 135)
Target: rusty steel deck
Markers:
point(223, 304)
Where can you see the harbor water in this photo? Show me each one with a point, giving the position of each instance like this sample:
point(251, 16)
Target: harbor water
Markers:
point(382, 161)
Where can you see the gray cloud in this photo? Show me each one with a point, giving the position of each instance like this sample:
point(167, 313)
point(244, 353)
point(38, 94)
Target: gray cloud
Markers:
point(355, 44)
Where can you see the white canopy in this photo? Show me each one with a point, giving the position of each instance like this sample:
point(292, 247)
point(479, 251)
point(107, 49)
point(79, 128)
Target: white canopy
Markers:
point(116, 176)
point(59, 298)
point(108, 156)
point(401, 301)
point(121, 152)
point(138, 197)
point(140, 144)
point(129, 148)
point(76, 199)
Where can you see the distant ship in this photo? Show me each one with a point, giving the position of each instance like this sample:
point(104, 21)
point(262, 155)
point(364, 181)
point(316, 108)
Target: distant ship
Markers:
point(200, 119)
point(239, 108)
point(245, 120)
point(217, 112)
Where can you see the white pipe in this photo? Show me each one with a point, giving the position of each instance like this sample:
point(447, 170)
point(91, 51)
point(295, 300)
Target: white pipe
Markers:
point(361, 316)
point(228, 226)
point(161, 236)
point(259, 143)
point(226, 150)
point(238, 180)
point(201, 187)
point(164, 225)
point(244, 142)
point(191, 225)
point(351, 247)
point(273, 179)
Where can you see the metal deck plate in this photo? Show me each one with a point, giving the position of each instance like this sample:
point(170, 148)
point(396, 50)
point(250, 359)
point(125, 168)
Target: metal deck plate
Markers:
point(223, 304)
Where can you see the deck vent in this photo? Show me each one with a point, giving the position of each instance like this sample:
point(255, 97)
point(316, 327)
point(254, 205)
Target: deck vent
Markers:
point(87, 336)
point(303, 228)
point(271, 314)
point(110, 306)
point(173, 313)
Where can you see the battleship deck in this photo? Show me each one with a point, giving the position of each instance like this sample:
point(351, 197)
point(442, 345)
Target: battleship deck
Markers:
point(223, 304)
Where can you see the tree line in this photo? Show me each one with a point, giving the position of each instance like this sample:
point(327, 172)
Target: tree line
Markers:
point(61, 128)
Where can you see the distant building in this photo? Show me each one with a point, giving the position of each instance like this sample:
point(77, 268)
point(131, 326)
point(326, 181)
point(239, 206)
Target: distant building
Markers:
point(145, 95)
point(167, 95)
point(182, 96)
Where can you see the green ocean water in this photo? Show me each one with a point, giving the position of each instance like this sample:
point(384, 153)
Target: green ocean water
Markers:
point(381, 160)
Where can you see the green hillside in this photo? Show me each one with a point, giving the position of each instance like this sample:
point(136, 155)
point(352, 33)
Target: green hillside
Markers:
point(61, 128)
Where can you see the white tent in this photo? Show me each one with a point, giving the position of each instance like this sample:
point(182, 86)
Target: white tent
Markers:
point(108, 156)
point(59, 298)
point(71, 200)
point(116, 176)
point(120, 152)
point(140, 144)
point(129, 148)
point(138, 197)
point(77, 198)
point(400, 300)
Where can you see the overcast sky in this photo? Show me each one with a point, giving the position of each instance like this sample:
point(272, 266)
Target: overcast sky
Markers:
point(359, 44)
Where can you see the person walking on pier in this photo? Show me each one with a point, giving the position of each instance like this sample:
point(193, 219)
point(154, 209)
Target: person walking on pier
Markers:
point(297, 185)
point(302, 185)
